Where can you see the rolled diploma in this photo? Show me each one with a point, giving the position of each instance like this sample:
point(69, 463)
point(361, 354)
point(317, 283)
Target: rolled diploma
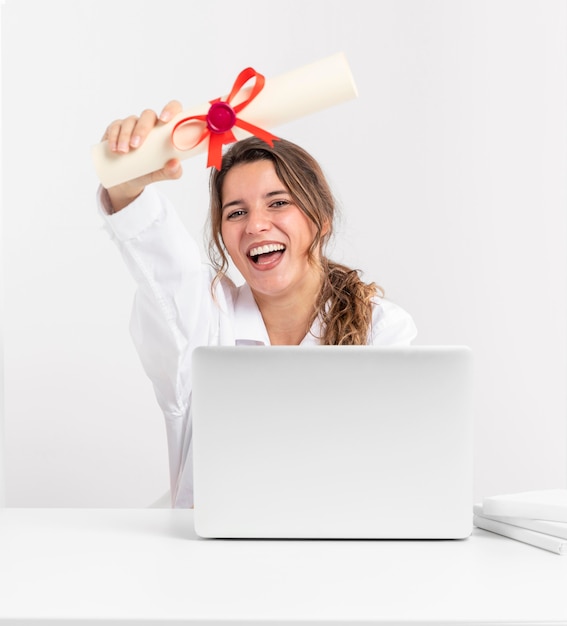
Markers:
point(283, 99)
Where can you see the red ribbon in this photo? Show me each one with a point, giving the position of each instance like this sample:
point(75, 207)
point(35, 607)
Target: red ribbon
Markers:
point(222, 117)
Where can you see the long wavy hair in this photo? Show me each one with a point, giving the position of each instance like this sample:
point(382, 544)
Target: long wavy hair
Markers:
point(344, 304)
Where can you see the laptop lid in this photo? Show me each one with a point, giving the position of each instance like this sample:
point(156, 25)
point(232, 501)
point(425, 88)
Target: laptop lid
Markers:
point(332, 442)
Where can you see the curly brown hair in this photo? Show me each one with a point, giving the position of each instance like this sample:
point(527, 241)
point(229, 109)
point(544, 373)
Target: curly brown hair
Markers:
point(344, 305)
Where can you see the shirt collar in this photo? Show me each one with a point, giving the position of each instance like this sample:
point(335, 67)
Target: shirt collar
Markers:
point(249, 327)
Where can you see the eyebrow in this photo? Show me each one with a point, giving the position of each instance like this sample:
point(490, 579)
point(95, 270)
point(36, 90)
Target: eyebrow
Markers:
point(270, 194)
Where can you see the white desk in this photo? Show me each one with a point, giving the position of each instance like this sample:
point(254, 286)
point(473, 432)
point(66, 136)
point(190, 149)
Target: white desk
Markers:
point(148, 566)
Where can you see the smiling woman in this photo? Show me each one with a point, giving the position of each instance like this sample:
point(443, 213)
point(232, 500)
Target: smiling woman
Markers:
point(271, 214)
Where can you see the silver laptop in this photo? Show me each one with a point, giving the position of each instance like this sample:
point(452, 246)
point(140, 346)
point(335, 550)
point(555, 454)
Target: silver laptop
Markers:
point(333, 442)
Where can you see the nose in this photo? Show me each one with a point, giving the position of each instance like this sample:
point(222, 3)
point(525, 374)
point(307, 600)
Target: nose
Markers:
point(258, 221)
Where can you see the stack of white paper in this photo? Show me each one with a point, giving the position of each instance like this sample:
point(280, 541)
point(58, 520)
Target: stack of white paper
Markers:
point(535, 517)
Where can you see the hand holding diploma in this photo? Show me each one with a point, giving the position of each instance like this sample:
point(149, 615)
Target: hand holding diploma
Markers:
point(252, 110)
point(124, 136)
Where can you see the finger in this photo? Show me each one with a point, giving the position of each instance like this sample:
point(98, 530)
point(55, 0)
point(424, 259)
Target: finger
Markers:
point(170, 171)
point(122, 195)
point(125, 134)
point(111, 134)
point(170, 110)
point(143, 126)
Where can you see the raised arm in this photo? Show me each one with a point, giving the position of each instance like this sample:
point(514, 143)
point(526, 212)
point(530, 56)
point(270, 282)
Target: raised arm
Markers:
point(172, 311)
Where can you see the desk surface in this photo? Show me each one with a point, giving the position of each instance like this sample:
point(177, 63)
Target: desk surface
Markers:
point(148, 565)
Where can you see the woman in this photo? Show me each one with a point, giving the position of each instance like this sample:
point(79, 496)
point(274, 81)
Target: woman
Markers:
point(271, 214)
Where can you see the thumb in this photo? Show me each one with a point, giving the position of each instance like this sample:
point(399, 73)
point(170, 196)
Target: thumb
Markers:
point(121, 195)
point(170, 171)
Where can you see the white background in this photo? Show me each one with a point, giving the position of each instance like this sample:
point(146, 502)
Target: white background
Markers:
point(450, 169)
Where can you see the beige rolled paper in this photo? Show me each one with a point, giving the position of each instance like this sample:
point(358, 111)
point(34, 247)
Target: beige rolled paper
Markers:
point(285, 98)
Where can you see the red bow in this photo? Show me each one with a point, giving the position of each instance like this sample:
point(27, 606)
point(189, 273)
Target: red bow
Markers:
point(222, 117)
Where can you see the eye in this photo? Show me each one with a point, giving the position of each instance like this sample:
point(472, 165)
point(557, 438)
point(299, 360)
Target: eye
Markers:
point(279, 204)
point(235, 214)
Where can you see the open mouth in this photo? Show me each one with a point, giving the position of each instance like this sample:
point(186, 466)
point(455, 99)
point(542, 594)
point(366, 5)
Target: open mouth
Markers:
point(262, 255)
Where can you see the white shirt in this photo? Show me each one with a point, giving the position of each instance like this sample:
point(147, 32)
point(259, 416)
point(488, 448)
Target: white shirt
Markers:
point(174, 312)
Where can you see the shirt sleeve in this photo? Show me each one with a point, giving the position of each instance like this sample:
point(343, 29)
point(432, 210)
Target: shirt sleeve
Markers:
point(171, 312)
point(171, 291)
point(391, 325)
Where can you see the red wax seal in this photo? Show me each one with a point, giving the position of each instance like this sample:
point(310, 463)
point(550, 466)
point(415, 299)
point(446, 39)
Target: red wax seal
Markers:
point(221, 117)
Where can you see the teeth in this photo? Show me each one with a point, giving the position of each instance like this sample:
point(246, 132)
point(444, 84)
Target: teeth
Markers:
point(271, 247)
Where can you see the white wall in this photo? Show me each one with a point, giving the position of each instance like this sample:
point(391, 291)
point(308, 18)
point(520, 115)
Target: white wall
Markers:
point(450, 168)
point(2, 456)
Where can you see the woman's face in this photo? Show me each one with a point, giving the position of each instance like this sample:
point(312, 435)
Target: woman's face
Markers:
point(264, 232)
